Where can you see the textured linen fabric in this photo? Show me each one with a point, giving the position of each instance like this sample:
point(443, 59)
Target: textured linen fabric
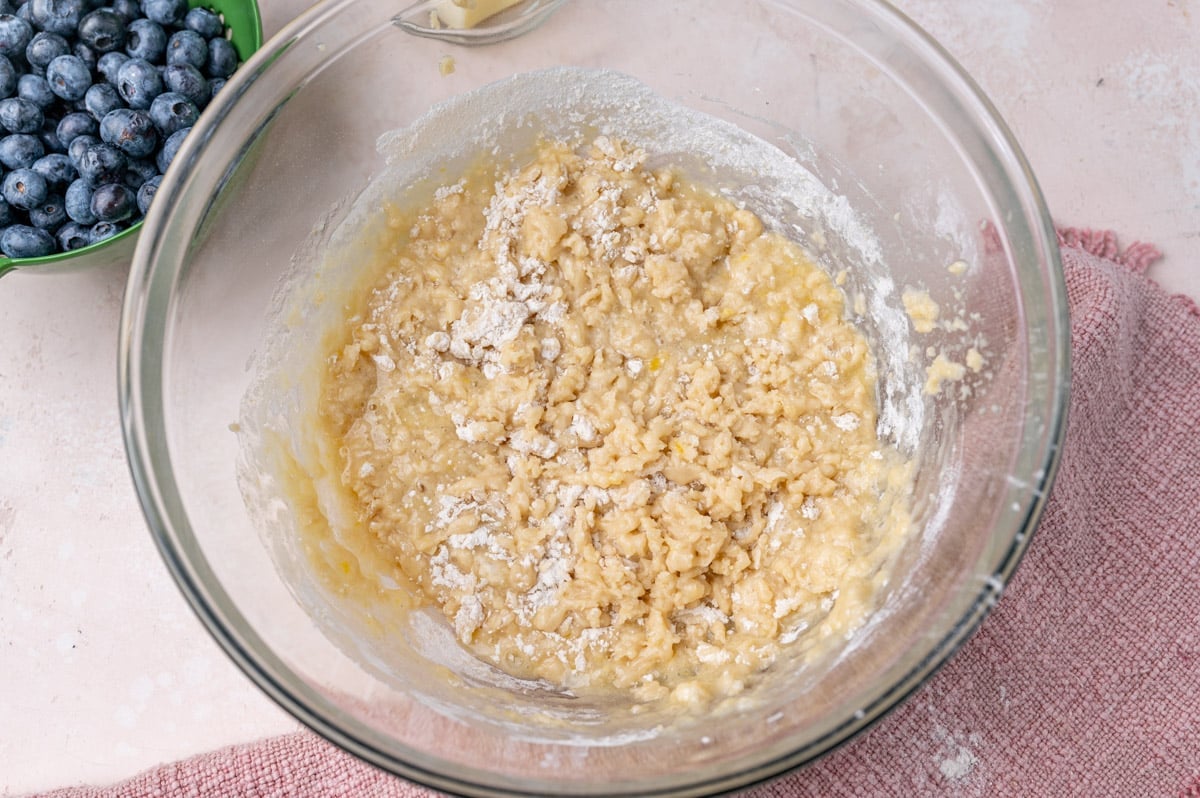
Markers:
point(1085, 680)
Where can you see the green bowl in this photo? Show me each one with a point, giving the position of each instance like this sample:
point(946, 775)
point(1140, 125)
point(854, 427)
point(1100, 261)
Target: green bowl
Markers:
point(245, 24)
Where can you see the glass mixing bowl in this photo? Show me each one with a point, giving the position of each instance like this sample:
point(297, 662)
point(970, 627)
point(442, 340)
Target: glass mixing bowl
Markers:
point(924, 188)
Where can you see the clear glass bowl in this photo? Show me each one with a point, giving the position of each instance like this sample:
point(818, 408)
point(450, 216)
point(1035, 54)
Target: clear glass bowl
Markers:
point(851, 91)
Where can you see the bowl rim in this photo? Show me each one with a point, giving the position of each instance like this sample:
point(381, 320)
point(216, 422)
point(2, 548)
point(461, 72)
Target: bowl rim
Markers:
point(138, 357)
point(247, 39)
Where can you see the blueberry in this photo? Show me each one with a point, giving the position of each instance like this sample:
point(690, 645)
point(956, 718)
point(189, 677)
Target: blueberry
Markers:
point(20, 116)
point(36, 90)
point(25, 189)
point(71, 235)
point(205, 22)
point(20, 150)
point(68, 77)
point(102, 163)
point(127, 10)
point(146, 193)
point(103, 30)
point(130, 130)
point(87, 55)
point(57, 170)
point(57, 16)
point(15, 34)
point(23, 241)
point(171, 112)
point(187, 80)
point(8, 77)
point(76, 124)
point(139, 83)
point(146, 40)
point(79, 145)
point(25, 12)
point(77, 202)
point(165, 12)
point(215, 86)
point(7, 215)
point(113, 202)
point(48, 136)
point(102, 98)
point(222, 58)
point(44, 47)
point(109, 63)
point(170, 148)
point(49, 215)
point(140, 170)
point(187, 47)
point(102, 230)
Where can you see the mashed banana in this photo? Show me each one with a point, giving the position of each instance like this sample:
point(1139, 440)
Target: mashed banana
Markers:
point(617, 433)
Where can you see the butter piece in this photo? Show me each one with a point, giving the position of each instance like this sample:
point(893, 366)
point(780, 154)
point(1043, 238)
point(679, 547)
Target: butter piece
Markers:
point(920, 308)
point(942, 369)
point(462, 14)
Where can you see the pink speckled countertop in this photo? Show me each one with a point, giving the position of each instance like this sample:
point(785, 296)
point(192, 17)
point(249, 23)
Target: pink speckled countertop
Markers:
point(105, 669)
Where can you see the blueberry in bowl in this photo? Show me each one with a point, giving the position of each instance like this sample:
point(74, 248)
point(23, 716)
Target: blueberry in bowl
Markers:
point(95, 100)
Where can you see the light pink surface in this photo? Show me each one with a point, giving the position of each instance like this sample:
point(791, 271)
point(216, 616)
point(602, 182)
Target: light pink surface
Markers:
point(1104, 96)
point(1086, 678)
point(106, 671)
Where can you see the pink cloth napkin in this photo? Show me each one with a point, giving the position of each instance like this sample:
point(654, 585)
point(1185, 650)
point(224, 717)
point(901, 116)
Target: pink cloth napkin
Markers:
point(1086, 678)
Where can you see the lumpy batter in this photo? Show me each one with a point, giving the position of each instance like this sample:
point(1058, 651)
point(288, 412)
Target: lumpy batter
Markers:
point(617, 433)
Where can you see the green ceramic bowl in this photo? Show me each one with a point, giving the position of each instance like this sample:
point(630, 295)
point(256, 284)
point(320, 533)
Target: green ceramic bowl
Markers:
point(245, 24)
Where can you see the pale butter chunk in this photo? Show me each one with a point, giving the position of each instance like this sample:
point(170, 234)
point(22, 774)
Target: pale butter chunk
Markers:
point(921, 309)
point(462, 14)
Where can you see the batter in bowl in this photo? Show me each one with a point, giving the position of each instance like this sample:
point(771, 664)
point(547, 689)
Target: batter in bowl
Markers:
point(617, 433)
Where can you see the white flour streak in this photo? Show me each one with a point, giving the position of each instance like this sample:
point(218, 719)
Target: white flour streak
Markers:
point(1170, 94)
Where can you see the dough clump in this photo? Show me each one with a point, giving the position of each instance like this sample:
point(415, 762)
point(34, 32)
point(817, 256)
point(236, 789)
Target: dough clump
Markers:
point(618, 433)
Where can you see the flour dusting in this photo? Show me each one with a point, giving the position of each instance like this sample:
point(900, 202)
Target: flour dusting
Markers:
point(955, 759)
point(1170, 92)
point(959, 765)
